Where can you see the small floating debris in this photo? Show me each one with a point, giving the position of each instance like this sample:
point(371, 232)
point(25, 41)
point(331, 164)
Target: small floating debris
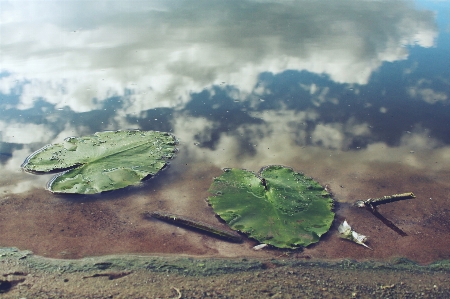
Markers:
point(259, 247)
point(179, 296)
point(346, 232)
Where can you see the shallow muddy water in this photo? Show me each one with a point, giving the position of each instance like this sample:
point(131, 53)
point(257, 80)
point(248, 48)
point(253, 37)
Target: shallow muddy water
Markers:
point(351, 95)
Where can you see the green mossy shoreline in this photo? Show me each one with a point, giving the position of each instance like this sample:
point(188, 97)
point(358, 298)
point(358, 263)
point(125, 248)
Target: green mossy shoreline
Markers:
point(199, 266)
point(24, 275)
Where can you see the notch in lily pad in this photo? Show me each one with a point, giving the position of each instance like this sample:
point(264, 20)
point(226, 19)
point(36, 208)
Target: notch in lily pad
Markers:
point(103, 161)
point(276, 206)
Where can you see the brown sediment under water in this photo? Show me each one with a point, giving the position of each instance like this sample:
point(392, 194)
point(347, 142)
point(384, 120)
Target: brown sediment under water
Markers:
point(76, 226)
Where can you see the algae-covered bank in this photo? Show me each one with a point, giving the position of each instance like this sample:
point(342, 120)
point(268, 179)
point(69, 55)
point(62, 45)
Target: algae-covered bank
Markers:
point(24, 275)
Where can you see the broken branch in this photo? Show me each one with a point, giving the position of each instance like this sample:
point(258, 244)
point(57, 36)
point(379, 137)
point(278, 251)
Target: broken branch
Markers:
point(371, 205)
point(385, 199)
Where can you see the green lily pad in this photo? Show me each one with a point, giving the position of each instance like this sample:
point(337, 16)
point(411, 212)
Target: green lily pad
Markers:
point(103, 161)
point(277, 206)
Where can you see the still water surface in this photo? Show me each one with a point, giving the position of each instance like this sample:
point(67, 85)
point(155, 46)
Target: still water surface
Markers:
point(352, 93)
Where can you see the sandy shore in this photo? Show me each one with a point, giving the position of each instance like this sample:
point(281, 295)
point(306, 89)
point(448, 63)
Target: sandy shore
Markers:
point(24, 275)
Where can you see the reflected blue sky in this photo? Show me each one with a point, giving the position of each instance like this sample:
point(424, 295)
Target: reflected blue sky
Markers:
point(228, 75)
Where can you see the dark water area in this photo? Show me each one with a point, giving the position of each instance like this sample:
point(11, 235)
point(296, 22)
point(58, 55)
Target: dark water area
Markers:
point(354, 94)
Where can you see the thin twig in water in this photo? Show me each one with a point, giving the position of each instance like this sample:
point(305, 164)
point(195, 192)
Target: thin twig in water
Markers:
point(198, 225)
point(372, 203)
point(383, 200)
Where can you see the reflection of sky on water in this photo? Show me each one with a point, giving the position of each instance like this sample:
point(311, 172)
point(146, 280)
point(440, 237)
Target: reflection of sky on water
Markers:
point(240, 83)
point(184, 47)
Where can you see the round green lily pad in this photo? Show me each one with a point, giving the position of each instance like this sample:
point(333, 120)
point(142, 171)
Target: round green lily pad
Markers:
point(277, 206)
point(103, 161)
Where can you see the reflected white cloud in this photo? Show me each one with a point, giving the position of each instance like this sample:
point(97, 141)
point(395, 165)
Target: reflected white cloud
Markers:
point(156, 54)
point(419, 139)
point(328, 136)
point(29, 133)
point(276, 140)
point(284, 139)
point(337, 135)
point(14, 180)
point(228, 150)
point(428, 95)
point(70, 131)
point(319, 94)
point(24, 133)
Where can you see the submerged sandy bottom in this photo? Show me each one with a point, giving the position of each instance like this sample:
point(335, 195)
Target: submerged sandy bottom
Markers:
point(63, 226)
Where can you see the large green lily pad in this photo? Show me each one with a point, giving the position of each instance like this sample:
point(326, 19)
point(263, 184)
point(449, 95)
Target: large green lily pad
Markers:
point(103, 161)
point(277, 206)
